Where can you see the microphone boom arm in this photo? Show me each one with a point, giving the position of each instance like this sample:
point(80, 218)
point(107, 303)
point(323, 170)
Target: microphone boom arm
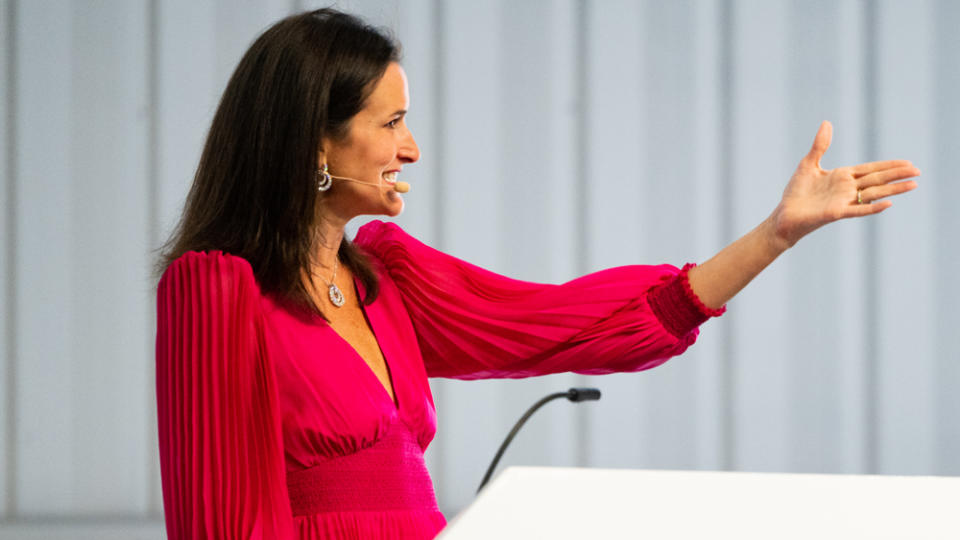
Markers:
point(573, 394)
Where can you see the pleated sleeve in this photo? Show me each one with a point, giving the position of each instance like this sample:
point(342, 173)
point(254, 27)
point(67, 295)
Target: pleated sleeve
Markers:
point(472, 323)
point(221, 456)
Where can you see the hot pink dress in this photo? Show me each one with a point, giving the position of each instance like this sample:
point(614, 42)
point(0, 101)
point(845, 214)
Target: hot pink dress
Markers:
point(272, 426)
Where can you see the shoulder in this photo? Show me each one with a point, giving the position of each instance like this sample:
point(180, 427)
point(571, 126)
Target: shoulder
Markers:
point(377, 232)
point(208, 307)
point(208, 272)
point(386, 240)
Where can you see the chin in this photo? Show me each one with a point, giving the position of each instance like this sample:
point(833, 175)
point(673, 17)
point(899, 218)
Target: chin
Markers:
point(395, 209)
point(395, 204)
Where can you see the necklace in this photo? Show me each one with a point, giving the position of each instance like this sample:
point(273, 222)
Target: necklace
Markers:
point(336, 296)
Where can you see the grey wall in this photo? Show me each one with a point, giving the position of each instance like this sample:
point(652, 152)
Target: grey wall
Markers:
point(558, 137)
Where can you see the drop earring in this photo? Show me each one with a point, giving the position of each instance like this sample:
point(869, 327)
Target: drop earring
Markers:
point(324, 180)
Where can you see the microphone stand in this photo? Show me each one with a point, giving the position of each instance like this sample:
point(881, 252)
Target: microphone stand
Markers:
point(575, 395)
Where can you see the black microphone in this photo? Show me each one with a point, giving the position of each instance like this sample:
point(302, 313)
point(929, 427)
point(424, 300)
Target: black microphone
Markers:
point(575, 395)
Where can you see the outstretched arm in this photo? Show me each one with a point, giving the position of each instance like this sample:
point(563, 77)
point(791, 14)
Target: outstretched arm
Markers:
point(812, 198)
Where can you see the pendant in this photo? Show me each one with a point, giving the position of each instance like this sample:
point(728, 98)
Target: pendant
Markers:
point(336, 297)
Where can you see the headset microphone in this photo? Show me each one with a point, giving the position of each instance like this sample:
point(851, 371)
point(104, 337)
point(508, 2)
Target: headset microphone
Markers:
point(399, 187)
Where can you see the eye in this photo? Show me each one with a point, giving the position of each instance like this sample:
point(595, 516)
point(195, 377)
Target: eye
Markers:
point(393, 123)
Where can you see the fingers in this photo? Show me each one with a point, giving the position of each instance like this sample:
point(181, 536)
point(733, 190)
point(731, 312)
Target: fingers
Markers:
point(860, 210)
point(886, 190)
point(886, 176)
point(820, 144)
point(874, 166)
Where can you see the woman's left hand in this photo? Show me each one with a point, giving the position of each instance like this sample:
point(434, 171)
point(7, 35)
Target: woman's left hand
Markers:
point(815, 197)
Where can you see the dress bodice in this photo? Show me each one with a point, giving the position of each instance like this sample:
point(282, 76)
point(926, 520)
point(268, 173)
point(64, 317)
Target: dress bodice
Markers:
point(272, 426)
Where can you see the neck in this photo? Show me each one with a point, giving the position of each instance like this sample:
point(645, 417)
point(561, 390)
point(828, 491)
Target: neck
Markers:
point(327, 244)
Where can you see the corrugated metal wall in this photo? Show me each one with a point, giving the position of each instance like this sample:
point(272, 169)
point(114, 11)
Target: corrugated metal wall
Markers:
point(558, 137)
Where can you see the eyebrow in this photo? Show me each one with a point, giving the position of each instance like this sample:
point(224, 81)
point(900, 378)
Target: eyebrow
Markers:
point(400, 112)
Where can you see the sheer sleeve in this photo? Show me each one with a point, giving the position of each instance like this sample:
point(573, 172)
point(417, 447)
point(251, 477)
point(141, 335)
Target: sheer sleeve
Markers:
point(221, 457)
point(472, 323)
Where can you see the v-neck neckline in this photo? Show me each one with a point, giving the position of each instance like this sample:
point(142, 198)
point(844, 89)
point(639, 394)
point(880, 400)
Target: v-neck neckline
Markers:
point(395, 400)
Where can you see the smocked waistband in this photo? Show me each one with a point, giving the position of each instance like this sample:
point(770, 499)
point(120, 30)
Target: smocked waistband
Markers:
point(388, 475)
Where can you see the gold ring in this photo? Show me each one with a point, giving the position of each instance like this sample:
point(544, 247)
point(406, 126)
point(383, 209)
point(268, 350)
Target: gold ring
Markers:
point(859, 197)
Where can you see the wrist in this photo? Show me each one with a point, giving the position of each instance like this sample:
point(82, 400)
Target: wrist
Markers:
point(776, 239)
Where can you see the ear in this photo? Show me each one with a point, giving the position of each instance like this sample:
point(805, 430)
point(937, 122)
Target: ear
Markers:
point(323, 153)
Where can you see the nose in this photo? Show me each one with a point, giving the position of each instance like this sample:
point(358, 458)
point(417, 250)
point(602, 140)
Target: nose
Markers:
point(408, 151)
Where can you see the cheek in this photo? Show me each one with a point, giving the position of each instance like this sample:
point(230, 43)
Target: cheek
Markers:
point(384, 154)
point(380, 151)
point(372, 150)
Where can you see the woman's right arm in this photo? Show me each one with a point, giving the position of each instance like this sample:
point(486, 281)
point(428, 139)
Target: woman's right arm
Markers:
point(221, 451)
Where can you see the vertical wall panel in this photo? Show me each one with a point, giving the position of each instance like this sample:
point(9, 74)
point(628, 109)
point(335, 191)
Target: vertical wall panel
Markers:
point(43, 243)
point(674, 409)
point(946, 143)
point(238, 24)
point(508, 121)
point(472, 125)
point(154, 495)
point(108, 158)
point(847, 352)
point(83, 292)
point(907, 242)
point(798, 391)
point(537, 140)
point(672, 185)
point(704, 363)
point(537, 179)
point(200, 44)
point(823, 349)
point(376, 12)
point(6, 284)
point(187, 94)
point(669, 75)
point(468, 415)
point(614, 110)
point(761, 314)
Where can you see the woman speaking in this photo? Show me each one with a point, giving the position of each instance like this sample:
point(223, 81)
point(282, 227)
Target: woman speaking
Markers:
point(292, 362)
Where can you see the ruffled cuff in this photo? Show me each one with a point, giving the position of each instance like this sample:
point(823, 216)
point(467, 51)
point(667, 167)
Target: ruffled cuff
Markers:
point(679, 309)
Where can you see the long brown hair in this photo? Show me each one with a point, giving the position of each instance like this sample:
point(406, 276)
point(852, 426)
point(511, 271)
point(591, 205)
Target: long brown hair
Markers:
point(254, 194)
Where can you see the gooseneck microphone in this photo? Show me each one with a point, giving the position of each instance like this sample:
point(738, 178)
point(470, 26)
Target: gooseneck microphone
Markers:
point(399, 187)
point(575, 395)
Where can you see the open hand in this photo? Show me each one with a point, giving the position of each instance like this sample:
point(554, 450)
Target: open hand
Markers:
point(815, 197)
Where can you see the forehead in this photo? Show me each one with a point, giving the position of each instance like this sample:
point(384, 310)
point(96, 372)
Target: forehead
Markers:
point(390, 93)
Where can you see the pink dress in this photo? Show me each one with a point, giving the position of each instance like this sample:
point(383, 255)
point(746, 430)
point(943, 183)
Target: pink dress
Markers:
point(272, 426)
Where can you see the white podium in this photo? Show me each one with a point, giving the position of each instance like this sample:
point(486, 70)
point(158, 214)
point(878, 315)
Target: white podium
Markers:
point(537, 502)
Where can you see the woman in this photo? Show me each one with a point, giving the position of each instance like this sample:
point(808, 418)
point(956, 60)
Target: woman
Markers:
point(292, 363)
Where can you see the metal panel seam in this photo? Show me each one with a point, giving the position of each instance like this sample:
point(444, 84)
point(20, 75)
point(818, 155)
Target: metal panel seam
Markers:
point(11, 292)
point(726, 128)
point(870, 299)
point(153, 235)
point(582, 191)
